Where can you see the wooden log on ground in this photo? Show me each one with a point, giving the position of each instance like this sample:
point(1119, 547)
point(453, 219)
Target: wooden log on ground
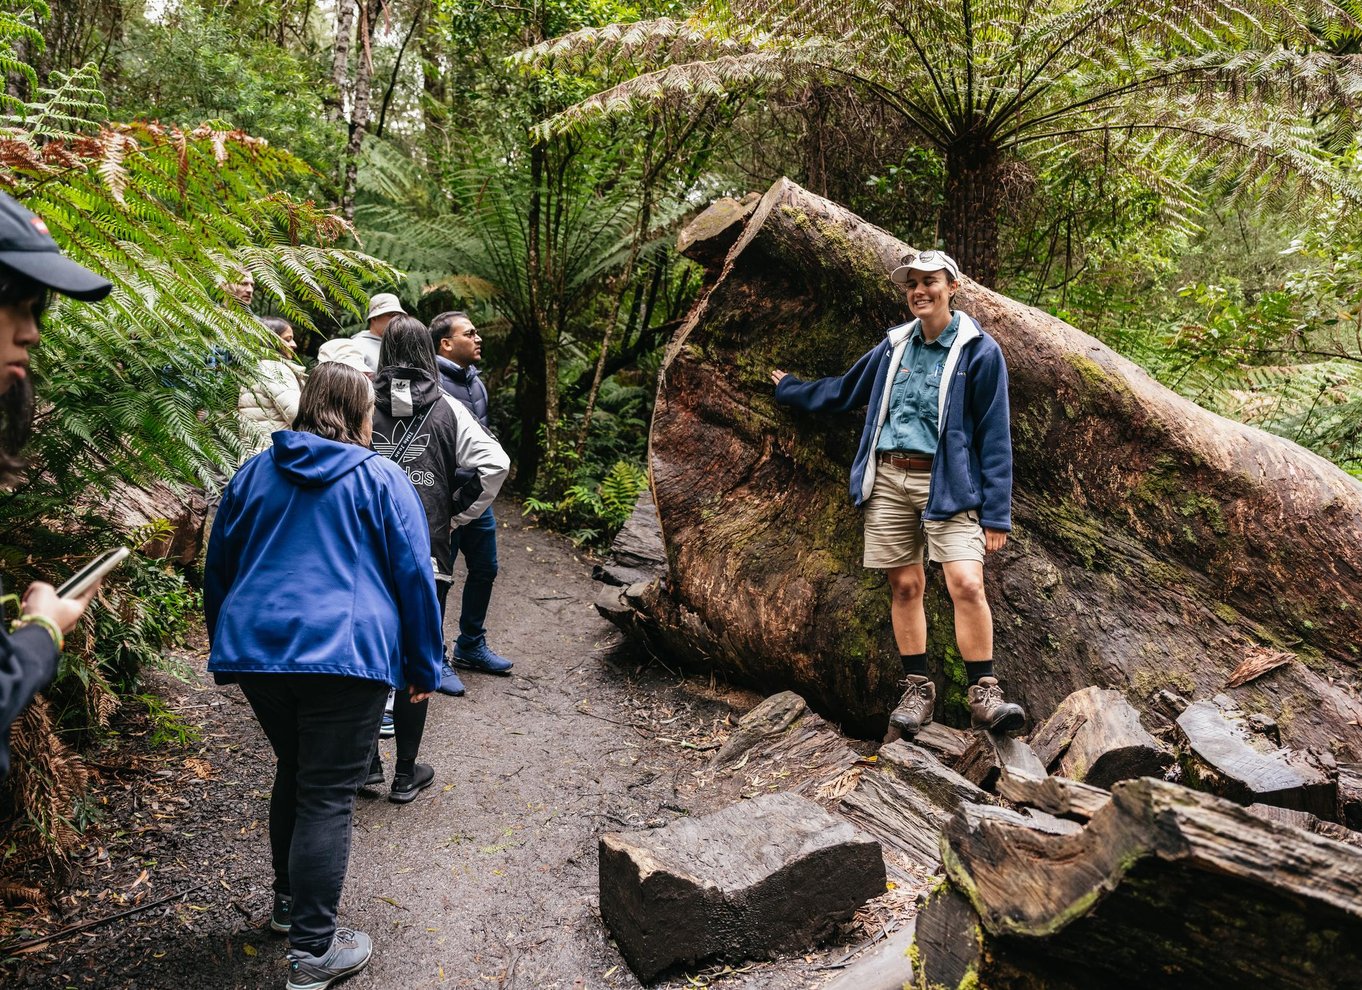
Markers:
point(1350, 795)
point(770, 875)
point(1222, 756)
point(946, 743)
point(1155, 544)
point(1057, 796)
point(990, 753)
point(907, 800)
point(1095, 736)
point(1164, 887)
point(636, 554)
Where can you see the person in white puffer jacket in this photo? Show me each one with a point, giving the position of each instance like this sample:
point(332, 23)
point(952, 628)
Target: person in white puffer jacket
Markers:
point(271, 402)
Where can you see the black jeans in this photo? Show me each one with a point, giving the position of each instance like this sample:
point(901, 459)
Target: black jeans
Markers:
point(321, 727)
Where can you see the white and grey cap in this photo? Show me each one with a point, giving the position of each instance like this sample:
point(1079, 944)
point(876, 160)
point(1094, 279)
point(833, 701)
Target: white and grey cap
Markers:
point(925, 261)
point(383, 304)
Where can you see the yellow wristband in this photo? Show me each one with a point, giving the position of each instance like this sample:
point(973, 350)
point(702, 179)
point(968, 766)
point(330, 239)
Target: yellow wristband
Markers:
point(53, 629)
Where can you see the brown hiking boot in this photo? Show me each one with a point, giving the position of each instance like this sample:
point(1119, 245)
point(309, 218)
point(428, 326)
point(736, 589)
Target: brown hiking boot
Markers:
point(915, 707)
point(988, 709)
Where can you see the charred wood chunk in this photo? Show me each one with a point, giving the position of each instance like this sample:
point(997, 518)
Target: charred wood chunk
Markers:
point(770, 875)
point(1222, 756)
point(1164, 887)
point(1095, 736)
point(907, 799)
point(770, 718)
point(990, 753)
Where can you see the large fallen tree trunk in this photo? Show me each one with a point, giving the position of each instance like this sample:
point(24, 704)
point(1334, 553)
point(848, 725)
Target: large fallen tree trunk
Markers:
point(1156, 544)
point(1164, 887)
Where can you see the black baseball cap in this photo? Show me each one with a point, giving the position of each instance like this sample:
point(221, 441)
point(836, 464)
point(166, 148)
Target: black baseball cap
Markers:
point(27, 247)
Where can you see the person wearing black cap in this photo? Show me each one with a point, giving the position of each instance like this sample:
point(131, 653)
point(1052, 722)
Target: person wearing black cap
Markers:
point(933, 473)
point(31, 267)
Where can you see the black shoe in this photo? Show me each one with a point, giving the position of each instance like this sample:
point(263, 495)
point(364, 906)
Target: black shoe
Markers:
point(375, 778)
point(407, 785)
point(281, 918)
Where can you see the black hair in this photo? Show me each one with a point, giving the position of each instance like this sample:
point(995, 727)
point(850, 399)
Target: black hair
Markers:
point(336, 404)
point(16, 404)
point(442, 324)
point(407, 344)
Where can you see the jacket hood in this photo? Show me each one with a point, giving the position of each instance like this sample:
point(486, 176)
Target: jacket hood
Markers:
point(401, 391)
point(310, 461)
point(463, 376)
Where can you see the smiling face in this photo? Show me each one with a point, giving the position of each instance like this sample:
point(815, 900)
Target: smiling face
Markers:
point(18, 332)
point(929, 295)
point(463, 345)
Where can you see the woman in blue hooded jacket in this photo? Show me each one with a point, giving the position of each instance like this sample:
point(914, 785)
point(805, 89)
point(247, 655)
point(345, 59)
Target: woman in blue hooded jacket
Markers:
point(933, 474)
point(318, 595)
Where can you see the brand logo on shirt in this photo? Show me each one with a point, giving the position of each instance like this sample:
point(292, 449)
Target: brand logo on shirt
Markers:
point(387, 446)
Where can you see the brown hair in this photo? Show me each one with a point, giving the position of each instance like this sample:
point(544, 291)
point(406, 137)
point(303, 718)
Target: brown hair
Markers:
point(337, 404)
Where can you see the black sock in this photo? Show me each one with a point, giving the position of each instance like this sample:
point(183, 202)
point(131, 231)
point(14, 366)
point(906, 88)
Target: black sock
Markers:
point(405, 768)
point(975, 669)
point(914, 663)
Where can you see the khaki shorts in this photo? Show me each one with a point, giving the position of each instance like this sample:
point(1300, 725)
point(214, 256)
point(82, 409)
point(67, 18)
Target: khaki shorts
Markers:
point(895, 532)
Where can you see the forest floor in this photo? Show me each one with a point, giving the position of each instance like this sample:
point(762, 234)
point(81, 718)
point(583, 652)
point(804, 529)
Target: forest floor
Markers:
point(488, 879)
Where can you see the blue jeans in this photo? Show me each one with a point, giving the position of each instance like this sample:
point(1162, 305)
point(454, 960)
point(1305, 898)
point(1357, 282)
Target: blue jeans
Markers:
point(322, 727)
point(478, 542)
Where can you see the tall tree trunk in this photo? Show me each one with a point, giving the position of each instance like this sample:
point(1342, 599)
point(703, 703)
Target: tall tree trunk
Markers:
point(334, 103)
point(1155, 545)
point(969, 225)
point(369, 12)
point(532, 395)
point(416, 19)
point(432, 78)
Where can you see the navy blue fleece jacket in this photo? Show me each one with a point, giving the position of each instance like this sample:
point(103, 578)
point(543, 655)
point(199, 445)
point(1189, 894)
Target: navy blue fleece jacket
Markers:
point(973, 464)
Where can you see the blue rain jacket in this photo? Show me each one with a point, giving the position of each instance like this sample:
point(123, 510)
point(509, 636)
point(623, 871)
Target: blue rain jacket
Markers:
point(319, 562)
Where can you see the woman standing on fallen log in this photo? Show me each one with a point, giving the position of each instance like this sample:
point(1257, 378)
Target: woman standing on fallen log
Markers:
point(933, 472)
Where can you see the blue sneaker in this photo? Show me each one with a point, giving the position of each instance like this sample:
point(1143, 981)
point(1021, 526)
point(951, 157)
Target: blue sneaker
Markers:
point(387, 728)
point(450, 683)
point(482, 659)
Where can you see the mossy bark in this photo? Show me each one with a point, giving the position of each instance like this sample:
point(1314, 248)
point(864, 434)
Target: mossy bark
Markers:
point(1153, 544)
point(1163, 887)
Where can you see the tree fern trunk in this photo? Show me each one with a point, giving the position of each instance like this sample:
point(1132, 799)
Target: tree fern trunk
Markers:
point(969, 225)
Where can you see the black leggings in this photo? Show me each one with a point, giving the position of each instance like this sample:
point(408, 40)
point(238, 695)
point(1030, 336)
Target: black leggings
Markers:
point(410, 721)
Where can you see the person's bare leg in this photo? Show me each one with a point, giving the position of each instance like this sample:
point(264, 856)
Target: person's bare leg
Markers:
point(973, 617)
point(974, 636)
point(905, 608)
point(915, 708)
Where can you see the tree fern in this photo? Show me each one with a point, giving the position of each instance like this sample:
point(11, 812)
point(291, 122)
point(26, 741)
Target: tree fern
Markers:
point(1242, 94)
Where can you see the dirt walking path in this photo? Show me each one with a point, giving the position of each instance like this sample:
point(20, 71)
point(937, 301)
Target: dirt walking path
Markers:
point(487, 880)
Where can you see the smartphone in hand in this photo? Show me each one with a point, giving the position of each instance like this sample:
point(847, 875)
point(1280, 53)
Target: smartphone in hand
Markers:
point(81, 581)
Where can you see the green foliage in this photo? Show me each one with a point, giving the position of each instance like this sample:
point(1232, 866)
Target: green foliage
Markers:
point(196, 63)
point(1243, 97)
point(590, 511)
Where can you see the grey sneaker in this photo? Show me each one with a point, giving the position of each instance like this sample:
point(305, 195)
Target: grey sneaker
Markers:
point(916, 705)
point(281, 918)
point(989, 710)
point(349, 953)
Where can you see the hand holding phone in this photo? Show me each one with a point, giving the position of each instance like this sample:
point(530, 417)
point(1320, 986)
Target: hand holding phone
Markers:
point(66, 604)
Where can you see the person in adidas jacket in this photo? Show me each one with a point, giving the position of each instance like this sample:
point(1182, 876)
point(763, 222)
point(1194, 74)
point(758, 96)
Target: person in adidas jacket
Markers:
point(933, 474)
point(457, 470)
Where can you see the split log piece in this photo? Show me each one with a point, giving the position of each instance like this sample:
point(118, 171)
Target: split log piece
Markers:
point(1164, 887)
point(770, 875)
point(990, 752)
point(1095, 736)
point(1223, 757)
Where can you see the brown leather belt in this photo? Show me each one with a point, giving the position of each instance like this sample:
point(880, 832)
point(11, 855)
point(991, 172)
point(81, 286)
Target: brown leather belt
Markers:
point(907, 462)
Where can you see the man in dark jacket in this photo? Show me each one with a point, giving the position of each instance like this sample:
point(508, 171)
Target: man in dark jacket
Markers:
point(458, 347)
